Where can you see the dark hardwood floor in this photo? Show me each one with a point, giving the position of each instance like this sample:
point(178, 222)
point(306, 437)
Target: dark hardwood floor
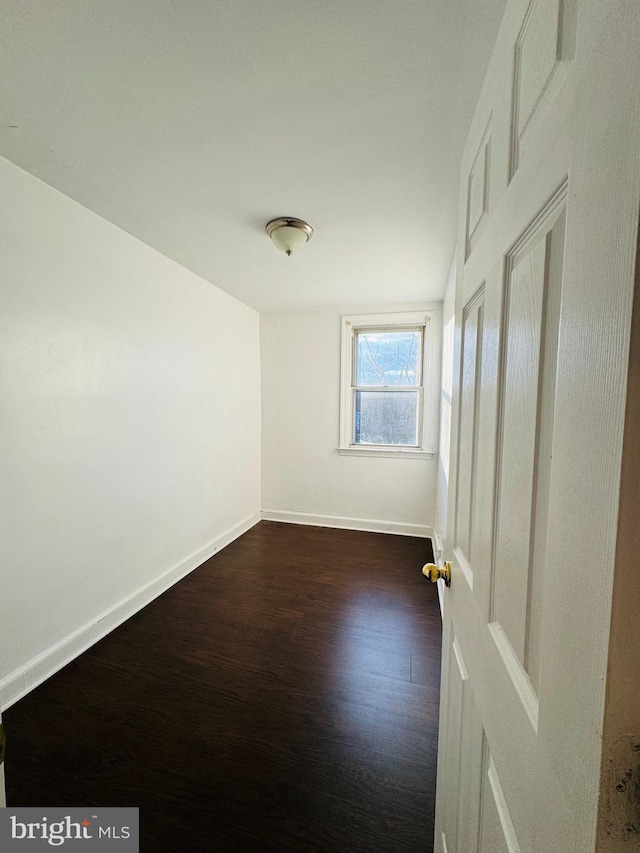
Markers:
point(284, 696)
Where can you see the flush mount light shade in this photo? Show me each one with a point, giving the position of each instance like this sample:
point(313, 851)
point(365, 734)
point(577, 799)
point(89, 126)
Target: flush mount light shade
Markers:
point(288, 233)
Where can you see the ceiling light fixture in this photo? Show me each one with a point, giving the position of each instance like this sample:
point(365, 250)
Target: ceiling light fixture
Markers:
point(288, 233)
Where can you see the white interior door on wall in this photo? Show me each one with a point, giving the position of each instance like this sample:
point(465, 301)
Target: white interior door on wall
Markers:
point(547, 243)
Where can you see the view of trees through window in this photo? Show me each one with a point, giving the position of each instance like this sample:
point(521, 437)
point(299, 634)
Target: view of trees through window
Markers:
point(387, 370)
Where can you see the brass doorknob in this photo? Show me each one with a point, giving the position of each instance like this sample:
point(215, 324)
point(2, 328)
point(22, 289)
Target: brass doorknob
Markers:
point(434, 573)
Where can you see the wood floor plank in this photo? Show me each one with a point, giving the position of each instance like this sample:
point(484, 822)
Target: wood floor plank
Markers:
point(282, 697)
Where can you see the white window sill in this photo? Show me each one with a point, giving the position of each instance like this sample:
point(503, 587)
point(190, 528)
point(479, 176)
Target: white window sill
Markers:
point(400, 453)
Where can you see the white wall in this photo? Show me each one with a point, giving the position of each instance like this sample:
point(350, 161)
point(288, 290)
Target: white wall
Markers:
point(303, 476)
point(446, 390)
point(129, 424)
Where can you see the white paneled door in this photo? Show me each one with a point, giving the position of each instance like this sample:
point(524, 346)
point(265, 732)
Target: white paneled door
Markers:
point(548, 226)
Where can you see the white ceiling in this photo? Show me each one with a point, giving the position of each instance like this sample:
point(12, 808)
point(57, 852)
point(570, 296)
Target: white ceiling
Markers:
point(190, 123)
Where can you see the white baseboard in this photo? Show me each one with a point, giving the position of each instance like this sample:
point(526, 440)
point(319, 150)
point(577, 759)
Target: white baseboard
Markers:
point(398, 528)
point(20, 682)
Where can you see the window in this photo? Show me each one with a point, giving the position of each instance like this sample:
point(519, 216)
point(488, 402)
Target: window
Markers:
point(385, 380)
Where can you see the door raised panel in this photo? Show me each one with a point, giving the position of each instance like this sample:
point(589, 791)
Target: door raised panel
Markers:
point(478, 189)
point(464, 740)
point(471, 371)
point(534, 282)
point(544, 49)
point(497, 834)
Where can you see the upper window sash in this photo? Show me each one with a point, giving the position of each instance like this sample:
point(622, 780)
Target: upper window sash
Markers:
point(381, 329)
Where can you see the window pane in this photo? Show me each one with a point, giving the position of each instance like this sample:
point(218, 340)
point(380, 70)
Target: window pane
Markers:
point(386, 417)
point(388, 358)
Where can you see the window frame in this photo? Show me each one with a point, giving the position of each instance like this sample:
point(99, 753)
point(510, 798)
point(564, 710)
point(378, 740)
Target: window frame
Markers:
point(426, 419)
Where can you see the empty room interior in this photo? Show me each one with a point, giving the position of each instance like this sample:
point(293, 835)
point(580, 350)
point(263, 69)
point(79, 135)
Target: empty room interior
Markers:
point(319, 412)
